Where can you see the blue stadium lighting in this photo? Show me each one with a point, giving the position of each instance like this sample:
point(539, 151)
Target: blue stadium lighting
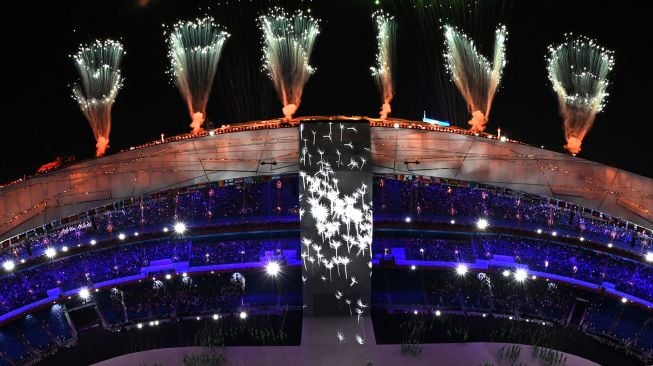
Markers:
point(8, 265)
point(121, 236)
point(482, 224)
point(180, 228)
point(461, 269)
point(50, 252)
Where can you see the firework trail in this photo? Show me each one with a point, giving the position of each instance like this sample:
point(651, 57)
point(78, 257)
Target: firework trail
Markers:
point(383, 72)
point(99, 71)
point(287, 46)
point(578, 70)
point(476, 78)
point(194, 49)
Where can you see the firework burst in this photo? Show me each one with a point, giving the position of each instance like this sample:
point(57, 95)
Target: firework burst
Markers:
point(578, 70)
point(194, 49)
point(383, 72)
point(287, 46)
point(476, 78)
point(100, 80)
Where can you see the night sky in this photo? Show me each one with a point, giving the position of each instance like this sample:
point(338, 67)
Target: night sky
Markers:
point(42, 121)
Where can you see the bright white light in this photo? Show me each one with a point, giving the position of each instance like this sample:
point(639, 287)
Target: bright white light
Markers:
point(407, 219)
point(539, 231)
point(165, 229)
point(8, 265)
point(546, 264)
point(413, 267)
point(396, 125)
point(211, 133)
point(151, 324)
point(156, 322)
point(649, 257)
point(272, 268)
point(84, 293)
point(482, 224)
point(139, 325)
point(216, 316)
point(506, 273)
point(484, 315)
point(415, 312)
point(121, 236)
point(22, 260)
point(554, 233)
point(610, 245)
point(50, 252)
point(168, 276)
point(64, 249)
point(461, 269)
point(93, 242)
point(510, 317)
point(184, 274)
point(438, 313)
point(521, 274)
point(180, 228)
point(243, 315)
point(624, 300)
point(452, 222)
point(534, 277)
point(582, 239)
point(136, 233)
point(503, 139)
point(197, 318)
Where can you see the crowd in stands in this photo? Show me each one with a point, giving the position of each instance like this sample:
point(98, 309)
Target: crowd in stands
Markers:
point(75, 271)
point(436, 201)
point(175, 297)
point(242, 201)
point(634, 278)
point(35, 335)
point(494, 294)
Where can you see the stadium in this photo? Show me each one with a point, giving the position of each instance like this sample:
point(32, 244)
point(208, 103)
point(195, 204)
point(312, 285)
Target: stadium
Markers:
point(153, 236)
point(297, 229)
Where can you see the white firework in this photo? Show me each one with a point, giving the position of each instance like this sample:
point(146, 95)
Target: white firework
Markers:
point(578, 70)
point(100, 80)
point(288, 41)
point(475, 77)
point(194, 49)
point(383, 72)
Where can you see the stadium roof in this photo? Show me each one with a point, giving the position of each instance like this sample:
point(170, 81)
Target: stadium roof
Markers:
point(412, 148)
